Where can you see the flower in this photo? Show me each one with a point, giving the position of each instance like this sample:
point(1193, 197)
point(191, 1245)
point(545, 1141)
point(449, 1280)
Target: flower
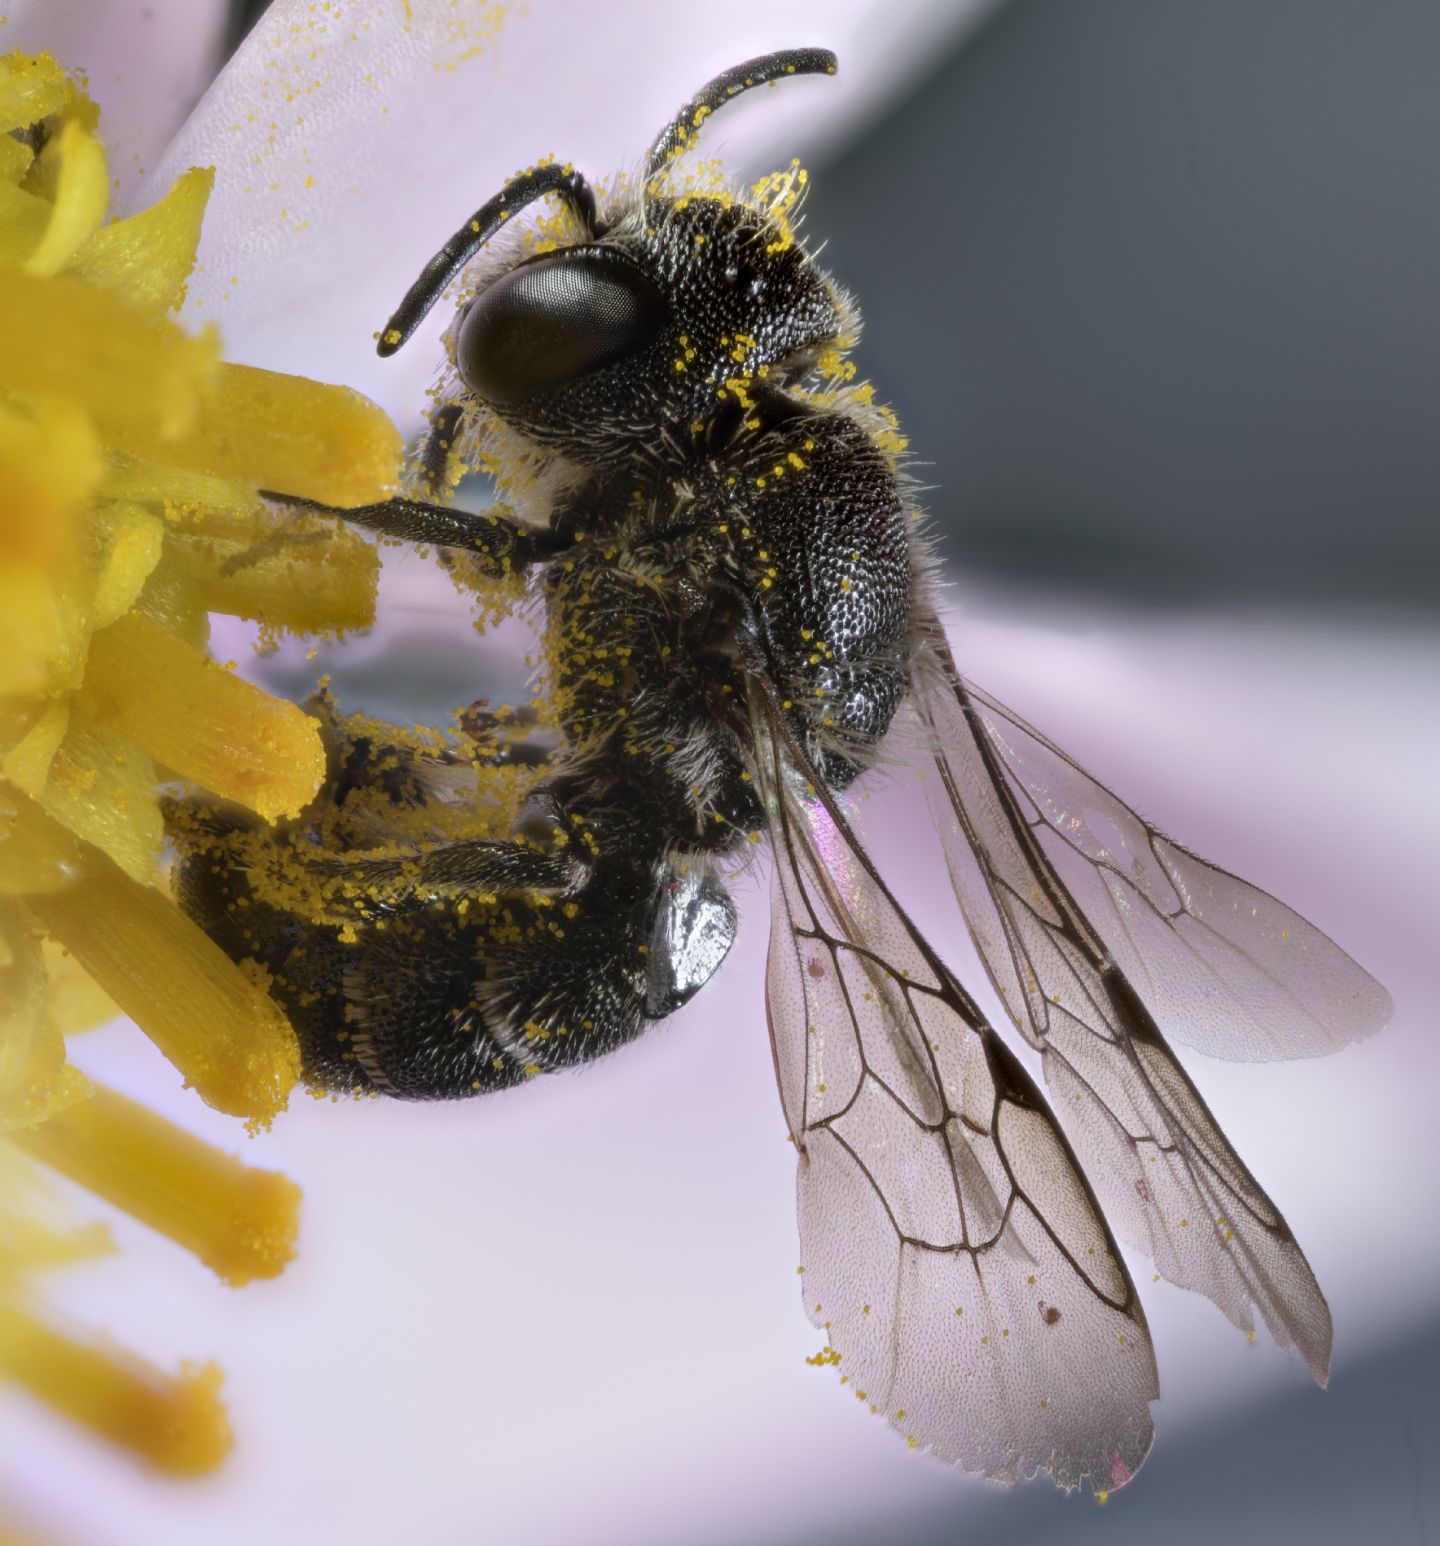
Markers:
point(130, 456)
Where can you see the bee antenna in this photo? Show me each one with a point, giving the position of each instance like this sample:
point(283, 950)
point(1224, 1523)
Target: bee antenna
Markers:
point(519, 192)
point(679, 134)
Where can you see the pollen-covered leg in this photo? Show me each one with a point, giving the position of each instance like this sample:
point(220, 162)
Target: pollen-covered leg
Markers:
point(385, 989)
point(283, 898)
point(438, 970)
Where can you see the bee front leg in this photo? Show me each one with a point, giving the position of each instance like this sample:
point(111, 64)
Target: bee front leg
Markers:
point(435, 453)
point(495, 536)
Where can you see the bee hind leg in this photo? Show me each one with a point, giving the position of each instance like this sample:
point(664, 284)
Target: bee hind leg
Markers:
point(443, 969)
point(337, 936)
point(381, 966)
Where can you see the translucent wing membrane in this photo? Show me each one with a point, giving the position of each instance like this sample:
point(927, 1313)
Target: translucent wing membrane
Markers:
point(1100, 935)
point(950, 1246)
point(1223, 966)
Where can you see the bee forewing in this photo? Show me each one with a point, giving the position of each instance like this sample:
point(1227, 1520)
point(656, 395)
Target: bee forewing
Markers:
point(1101, 935)
point(1223, 966)
point(951, 1249)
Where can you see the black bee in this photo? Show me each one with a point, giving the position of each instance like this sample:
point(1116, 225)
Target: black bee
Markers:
point(737, 605)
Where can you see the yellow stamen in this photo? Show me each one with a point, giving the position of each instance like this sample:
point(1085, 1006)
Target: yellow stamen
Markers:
point(175, 1422)
point(148, 257)
point(35, 1081)
point(77, 1001)
point(208, 725)
point(31, 88)
point(280, 432)
point(217, 1026)
point(81, 194)
point(139, 380)
point(241, 1222)
point(130, 461)
point(310, 576)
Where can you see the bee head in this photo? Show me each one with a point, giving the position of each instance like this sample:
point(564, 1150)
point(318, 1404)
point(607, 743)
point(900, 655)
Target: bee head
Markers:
point(684, 305)
point(674, 303)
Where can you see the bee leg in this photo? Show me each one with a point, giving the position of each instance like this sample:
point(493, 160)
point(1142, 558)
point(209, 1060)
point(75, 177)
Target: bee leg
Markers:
point(435, 453)
point(494, 535)
point(451, 874)
point(512, 736)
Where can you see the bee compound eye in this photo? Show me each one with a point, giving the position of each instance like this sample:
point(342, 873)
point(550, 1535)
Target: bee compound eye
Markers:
point(555, 319)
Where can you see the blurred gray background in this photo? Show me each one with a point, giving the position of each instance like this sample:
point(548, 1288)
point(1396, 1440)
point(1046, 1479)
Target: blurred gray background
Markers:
point(1155, 285)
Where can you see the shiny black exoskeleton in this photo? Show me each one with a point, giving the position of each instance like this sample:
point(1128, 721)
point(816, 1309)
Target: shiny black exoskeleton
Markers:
point(703, 490)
